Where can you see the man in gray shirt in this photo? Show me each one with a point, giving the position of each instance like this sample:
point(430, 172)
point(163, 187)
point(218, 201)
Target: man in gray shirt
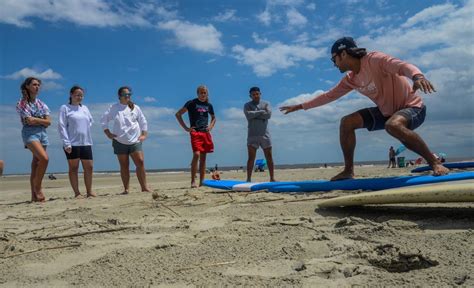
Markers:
point(257, 113)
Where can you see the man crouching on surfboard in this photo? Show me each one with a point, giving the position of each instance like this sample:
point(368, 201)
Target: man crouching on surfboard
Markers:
point(399, 109)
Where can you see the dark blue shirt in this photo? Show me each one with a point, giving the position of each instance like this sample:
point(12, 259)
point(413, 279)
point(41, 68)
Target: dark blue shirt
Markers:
point(199, 114)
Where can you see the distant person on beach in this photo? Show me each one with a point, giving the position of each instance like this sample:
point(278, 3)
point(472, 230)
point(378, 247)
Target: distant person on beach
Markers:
point(381, 78)
point(391, 158)
point(257, 112)
point(74, 127)
point(128, 133)
point(34, 115)
point(2, 165)
point(199, 130)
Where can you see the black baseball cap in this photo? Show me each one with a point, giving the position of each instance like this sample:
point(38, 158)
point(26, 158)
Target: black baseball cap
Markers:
point(254, 89)
point(343, 44)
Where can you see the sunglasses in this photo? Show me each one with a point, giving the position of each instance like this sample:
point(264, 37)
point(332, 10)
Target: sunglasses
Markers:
point(333, 59)
point(126, 94)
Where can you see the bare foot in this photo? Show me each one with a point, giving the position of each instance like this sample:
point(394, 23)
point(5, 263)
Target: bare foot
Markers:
point(40, 197)
point(146, 190)
point(343, 175)
point(91, 194)
point(193, 185)
point(124, 193)
point(439, 170)
point(248, 180)
point(79, 196)
point(273, 180)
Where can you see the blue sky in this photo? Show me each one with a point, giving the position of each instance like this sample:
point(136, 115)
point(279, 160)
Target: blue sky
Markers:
point(165, 49)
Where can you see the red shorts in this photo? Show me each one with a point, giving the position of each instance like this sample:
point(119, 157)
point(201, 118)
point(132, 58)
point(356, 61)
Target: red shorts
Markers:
point(202, 142)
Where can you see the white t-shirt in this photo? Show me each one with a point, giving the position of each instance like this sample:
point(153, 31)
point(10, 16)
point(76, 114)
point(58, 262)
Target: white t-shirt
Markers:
point(128, 124)
point(74, 125)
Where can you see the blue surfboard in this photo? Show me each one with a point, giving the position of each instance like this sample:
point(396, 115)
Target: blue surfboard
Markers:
point(368, 184)
point(452, 165)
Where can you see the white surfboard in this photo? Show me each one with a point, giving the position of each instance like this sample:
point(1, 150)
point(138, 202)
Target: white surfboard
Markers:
point(456, 191)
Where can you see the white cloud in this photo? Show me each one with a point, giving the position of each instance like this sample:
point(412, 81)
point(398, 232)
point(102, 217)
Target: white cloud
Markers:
point(47, 74)
point(429, 14)
point(168, 132)
point(204, 38)
point(306, 121)
point(311, 6)
point(328, 35)
point(265, 17)
point(285, 2)
point(149, 99)
point(259, 40)
point(226, 16)
point(96, 13)
point(272, 12)
point(302, 38)
point(454, 29)
point(276, 56)
point(376, 20)
point(157, 112)
point(50, 85)
point(295, 18)
point(438, 40)
point(234, 113)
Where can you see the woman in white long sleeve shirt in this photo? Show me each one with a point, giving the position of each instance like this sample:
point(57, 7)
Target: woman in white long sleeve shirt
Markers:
point(128, 132)
point(74, 128)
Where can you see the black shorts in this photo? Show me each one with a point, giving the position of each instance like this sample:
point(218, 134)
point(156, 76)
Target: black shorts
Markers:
point(81, 152)
point(375, 120)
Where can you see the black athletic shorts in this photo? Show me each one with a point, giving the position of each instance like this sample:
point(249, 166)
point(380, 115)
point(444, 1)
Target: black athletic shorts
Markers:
point(81, 152)
point(374, 119)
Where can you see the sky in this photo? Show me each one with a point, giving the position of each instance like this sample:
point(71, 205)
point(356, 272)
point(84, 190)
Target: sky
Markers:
point(163, 50)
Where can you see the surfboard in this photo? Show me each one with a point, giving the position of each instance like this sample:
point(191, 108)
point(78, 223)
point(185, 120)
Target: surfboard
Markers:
point(371, 184)
point(459, 191)
point(452, 165)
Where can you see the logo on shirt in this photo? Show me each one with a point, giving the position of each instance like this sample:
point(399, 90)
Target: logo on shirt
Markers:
point(369, 89)
point(201, 108)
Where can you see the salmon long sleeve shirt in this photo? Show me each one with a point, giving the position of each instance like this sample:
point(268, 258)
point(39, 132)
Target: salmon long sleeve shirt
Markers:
point(382, 79)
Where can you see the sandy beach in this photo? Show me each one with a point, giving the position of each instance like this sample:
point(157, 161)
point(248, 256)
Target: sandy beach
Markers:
point(211, 238)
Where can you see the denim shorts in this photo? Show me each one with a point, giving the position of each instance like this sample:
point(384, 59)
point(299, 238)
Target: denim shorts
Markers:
point(34, 133)
point(120, 148)
point(374, 119)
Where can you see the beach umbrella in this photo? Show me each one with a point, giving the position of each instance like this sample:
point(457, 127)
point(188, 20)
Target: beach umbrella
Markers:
point(400, 149)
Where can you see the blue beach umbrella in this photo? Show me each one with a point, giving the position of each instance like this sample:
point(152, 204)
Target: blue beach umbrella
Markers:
point(400, 149)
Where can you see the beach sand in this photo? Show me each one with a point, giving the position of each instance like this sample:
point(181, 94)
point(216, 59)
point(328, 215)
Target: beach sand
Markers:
point(210, 238)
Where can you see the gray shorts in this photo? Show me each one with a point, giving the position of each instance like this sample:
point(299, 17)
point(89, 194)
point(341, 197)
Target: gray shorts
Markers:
point(374, 119)
point(259, 141)
point(120, 148)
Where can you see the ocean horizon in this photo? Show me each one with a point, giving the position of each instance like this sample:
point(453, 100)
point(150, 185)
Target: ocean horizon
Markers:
point(237, 167)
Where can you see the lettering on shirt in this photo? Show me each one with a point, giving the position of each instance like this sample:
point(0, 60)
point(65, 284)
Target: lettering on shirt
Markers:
point(201, 109)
